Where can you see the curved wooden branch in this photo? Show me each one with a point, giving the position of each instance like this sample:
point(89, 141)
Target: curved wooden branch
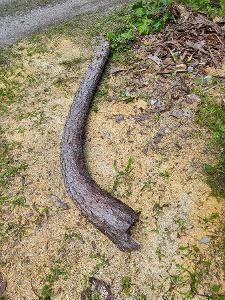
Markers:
point(108, 214)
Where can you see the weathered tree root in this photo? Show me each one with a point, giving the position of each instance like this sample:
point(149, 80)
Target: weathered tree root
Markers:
point(108, 214)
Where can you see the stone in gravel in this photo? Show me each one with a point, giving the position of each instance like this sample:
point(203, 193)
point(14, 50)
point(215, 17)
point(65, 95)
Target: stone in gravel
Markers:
point(190, 69)
point(59, 202)
point(150, 146)
point(160, 134)
point(140, 118)
point(186, 113)
point(111, 99)
point(179, 113)
point(119, 118)
point(192, 98)
point(205, 240)
point(94, 246)
point(159, 105)
point(152, 101)
point(179, 145)
point(3, 285)
point(127, 92)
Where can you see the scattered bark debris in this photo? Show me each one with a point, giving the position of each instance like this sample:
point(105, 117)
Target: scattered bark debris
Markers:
point(97, 287)
point(190, 45)
point(60, 203)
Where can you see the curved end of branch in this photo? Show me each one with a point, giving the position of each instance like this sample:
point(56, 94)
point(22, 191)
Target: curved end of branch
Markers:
point(127, 243)
point(124, 240)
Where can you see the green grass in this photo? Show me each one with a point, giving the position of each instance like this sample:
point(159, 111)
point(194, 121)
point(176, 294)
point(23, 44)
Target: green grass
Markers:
point(123, 177)
point(142, 18)
point(149, 16)
point(47, 291)
point(40, 214)
point(211, 7)
point(11, 89)
point(4, 56)
point(212, 116)
point(71, 235)
point(199, 275)
point(126, 285)
point(72, 63)
point(19, 201)
point(9, 168)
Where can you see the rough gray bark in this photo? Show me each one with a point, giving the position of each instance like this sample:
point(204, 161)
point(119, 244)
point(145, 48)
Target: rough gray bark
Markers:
point(108, 214)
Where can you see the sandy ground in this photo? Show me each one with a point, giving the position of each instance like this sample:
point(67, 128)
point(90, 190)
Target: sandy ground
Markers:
point(166, 184)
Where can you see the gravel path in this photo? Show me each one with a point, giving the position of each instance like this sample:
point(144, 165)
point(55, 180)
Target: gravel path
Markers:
point(13, 27)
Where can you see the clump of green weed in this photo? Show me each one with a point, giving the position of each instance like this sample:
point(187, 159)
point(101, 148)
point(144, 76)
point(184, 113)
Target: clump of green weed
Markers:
point(126, 285)
point(144, 17)
point(101, 262)
point(123, 176)
point(71, 235)
point(40, 214)
point(72, 63)
point(11, 230)
point(211, 7)
point(50, 280)
point(19, 201)
point(165, 174)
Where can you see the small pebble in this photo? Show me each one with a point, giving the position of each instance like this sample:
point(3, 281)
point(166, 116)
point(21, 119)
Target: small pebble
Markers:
point(119, 118)
point(207, 78)
point(205, 240)
point(140, 117)
point(178, 113)
point(190, 69)
point(152, 101)
point(186, 113)
point(127, 92)
point(191, 98)
point(160, 135)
